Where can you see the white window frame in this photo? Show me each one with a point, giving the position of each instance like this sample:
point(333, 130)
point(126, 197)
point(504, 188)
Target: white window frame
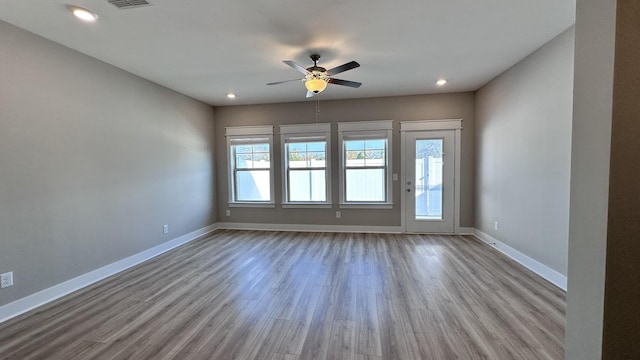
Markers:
point(367, 130)
point(302, 133)
point(249, 134)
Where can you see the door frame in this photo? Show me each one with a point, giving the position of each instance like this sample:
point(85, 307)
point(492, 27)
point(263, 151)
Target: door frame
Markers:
point(431, 125)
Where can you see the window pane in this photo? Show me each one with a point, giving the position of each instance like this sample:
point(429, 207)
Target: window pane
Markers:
point(374, 158)
point(354, 158)
point(375, 162)
point(316, 146)
point(307, 185)
point(251, 156)
point(317, 159)
point(297, 157)
point(356, 145)
point(428, 179)
point(374, 144)
point(316, 155)
point(261, 147)
point(250, 165)
point(243, 161)
point(374, 154)
point(297, 162)
point(239, 149)
point(261, 160)
point(297, 147)
point(364, 167)
point(365, 153)
point(307, 154)
point(366, 185)
point(253, 185)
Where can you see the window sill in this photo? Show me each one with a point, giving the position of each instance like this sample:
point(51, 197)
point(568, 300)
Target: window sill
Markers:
point(374, 206)
point(251, 204)
point(306, 206)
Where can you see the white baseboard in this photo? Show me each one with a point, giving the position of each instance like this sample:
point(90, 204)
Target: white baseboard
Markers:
point(40, 298)
point(537, 267)
point(310, 227)
point(324, 228)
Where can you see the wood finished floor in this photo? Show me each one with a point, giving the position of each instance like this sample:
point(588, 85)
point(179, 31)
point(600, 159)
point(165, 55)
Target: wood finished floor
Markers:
point(293, 296)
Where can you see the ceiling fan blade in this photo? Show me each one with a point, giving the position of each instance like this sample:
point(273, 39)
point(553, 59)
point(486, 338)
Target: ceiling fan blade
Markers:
point(281, 82)
point(309, 94)
point(295, 66)
point(353, 84)
point(344, 67)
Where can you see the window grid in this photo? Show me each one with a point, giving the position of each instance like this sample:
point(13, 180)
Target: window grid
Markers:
point(306, 157)
point(250, 166)
point(365, 156)
point(250, 160)
point(365, 164)
point(248, 155)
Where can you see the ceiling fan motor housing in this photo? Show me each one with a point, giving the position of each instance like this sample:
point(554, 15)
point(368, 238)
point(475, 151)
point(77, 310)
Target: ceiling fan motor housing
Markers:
point(315, 70)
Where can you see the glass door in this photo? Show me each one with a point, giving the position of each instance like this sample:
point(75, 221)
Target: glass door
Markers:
point(429, 185)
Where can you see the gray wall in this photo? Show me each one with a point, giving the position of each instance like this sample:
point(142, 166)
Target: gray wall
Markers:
point(592, 117)
point(523, 153)
point(93, 161)
point(423, 107)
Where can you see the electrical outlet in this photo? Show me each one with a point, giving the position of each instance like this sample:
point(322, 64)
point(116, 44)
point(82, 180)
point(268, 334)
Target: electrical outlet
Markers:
point(338, 215)
point(228, 212)
point(165, 229)
point(6, 280)
point(496, 226)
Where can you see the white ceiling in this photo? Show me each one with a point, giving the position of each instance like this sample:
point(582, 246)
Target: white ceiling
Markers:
point(207, 48)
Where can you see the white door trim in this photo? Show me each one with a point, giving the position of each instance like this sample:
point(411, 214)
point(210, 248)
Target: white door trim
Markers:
point(427, 125)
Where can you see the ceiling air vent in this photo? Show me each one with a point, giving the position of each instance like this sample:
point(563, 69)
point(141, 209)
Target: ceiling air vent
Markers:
point(129, 4)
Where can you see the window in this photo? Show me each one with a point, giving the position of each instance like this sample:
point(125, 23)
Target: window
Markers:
point(306, 164)
point(250, 165)
point(365, 163)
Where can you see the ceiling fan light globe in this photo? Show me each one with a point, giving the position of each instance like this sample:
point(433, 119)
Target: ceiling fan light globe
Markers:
point(315, 85)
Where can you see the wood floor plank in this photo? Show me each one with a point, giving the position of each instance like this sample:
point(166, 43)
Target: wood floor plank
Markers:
point(298, 327)
point(367, 323)
point(278, 356)
point(293, 296)
point(342, 342)
point(316, 343)
point(367, 357)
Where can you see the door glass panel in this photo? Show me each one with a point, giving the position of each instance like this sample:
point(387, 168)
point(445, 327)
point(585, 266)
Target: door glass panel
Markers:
point(428, 181)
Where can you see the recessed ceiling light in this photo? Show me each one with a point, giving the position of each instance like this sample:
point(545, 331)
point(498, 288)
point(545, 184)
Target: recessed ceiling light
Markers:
point(82, 13)
point(231, 95)
point(441, 82)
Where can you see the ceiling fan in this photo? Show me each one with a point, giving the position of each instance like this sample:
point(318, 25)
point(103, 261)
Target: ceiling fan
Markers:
point(316, 77)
